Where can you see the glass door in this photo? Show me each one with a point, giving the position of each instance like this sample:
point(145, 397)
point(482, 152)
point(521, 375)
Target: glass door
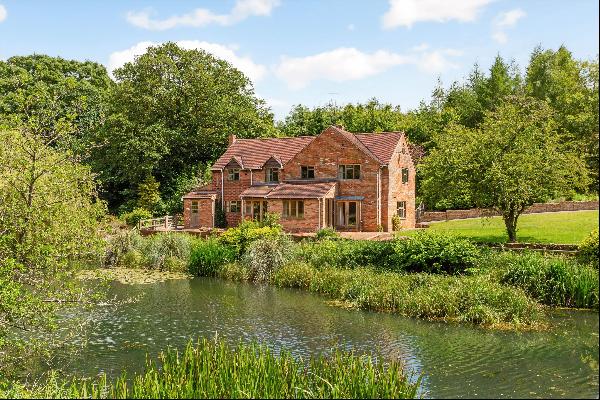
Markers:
point(347, 214)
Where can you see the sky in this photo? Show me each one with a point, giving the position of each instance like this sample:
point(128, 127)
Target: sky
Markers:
point(310, 52)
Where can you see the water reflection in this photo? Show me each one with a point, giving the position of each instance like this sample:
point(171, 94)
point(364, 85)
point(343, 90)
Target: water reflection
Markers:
point(459, 361)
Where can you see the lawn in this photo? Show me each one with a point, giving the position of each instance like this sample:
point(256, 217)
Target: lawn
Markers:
point(559, 227)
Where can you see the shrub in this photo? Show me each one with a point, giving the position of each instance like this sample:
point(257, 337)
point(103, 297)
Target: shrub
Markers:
point(435, 253)
point(245, 233)
point(119, 246)
point(207, 256)
point(220, 219)
point(327, 233)
point(270, 220)
point(294, 275)
point(555, 281)
point(234, 272)
point(162, 250)
point(134, 217)
point(588, 249)
point(349, 254)
point(266, 255)
point(396, 223)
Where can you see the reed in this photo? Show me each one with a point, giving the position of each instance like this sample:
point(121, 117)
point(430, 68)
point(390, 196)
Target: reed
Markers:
point(212, 369)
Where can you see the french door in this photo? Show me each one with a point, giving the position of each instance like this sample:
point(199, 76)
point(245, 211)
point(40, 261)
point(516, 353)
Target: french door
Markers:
point(347, 214)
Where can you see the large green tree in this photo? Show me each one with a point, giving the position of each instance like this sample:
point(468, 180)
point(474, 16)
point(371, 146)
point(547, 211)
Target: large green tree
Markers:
point(170, 112)
point(43, 93)
point(49, 219)
point(513, 159)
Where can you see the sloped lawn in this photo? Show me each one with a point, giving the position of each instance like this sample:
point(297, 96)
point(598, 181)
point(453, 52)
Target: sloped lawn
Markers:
point(559, 227)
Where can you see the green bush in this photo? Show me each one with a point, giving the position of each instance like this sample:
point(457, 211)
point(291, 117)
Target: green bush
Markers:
point(266, 255)
point(246, 232)
point(348, 254)
point(119, 246)
point(294, 275)
point(167, 251)
point(134, 217)
point(588, 249)
point(435, 253)
point(327, 233)
point(207, 256)
point(555, 281)
point(234, 272)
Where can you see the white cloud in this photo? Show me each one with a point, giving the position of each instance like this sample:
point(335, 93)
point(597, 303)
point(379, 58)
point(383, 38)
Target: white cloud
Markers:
point(408, 12)
point(504, 21)
point(3, 13)
point(348, 64)
point(202, 16)
point(228, 53)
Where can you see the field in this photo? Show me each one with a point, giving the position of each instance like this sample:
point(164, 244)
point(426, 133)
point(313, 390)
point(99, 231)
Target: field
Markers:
point(559, 227)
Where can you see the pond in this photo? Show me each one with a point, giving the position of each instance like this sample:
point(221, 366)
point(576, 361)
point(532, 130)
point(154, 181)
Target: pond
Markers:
point(457, 360)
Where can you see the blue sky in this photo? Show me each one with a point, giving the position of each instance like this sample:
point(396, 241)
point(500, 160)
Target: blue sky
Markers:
point(310, 51)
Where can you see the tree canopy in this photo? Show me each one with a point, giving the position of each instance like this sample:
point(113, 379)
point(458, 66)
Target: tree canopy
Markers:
point(514, 158)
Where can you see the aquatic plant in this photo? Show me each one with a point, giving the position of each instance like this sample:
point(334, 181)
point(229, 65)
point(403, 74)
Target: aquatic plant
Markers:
point(212, 369)
point(265, 256)
point(207, 256)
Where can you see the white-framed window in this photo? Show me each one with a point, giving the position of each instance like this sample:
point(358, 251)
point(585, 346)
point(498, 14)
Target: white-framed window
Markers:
point(233, 174)
point(351, 171)
point(234, 206)
point(293, 209)
point(272, 175)
point(401, 209)
point(404, 175)
point(307, 172)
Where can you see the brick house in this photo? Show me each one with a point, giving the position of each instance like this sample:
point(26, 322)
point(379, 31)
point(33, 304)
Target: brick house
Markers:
point(351, 182)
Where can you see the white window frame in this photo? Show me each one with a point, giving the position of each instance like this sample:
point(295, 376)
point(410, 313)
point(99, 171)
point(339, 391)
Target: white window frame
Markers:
point(401, 209)
point(233, 174)
point(343, 170)
point(293, 209)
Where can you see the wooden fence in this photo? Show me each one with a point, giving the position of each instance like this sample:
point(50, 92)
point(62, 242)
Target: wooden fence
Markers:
point(166, 223)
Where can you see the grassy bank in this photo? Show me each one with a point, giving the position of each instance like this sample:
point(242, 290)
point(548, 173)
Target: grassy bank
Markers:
point(558, 227)
point(214, 370)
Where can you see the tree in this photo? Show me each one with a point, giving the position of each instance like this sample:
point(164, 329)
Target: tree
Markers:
point(515, 158)
point(43, 93)
point(171, 110)
point(49, 219)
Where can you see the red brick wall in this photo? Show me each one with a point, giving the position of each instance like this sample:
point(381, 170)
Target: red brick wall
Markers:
point(310, 222)
point(233, 190)
point(325, 153)
point(206, 213)
point(399, 191)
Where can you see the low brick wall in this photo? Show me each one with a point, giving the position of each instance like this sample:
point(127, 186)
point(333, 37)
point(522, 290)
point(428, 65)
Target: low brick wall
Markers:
point(432, 216)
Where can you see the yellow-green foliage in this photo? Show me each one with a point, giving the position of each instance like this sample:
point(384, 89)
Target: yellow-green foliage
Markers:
point(214, 370)
point(588, 249)
point(246, 232)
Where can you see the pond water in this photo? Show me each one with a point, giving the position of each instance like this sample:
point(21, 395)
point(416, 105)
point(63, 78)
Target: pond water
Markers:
point(456, 360)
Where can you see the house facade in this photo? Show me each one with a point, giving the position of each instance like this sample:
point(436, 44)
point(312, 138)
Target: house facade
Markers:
point(338, 179)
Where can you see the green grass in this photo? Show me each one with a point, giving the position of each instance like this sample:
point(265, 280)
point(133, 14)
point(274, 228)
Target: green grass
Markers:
point(211, 369)
point(558, 227)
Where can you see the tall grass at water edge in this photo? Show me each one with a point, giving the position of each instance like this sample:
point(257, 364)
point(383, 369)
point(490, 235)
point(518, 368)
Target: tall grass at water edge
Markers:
point(210, 369)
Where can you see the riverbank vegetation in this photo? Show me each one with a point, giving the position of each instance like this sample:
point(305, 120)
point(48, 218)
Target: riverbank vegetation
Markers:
point(559, 227)
point(430, 275)
point(212, 369)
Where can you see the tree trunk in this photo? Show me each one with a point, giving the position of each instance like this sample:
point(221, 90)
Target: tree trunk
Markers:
point(510, 221)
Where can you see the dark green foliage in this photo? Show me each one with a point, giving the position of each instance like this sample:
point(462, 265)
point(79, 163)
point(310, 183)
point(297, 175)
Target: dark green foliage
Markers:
point(220, 220)
point(133, 217)
point(552, 280)
point(210, 369)
point(435, 253)
point(588, 250)
point(207, 256)
point(349, 254)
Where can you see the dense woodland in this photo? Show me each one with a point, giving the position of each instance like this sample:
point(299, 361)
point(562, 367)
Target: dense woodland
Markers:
point(150, 134)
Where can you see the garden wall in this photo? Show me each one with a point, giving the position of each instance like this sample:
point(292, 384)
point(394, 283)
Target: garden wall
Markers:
point(431, 216)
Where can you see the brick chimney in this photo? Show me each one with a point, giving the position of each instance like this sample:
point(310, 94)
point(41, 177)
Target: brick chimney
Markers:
point(231, 139)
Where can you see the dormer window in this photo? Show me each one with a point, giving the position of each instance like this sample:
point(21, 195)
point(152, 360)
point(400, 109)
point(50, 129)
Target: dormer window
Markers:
point(349, 171)
point(307, 172)
point(233, 174)
point(272, 175)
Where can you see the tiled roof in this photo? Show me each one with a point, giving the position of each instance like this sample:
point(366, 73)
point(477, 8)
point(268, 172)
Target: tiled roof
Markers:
point(309, 190)
point(381, 144)
point(257, 191)
point(255, 152)
point(354, 139)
